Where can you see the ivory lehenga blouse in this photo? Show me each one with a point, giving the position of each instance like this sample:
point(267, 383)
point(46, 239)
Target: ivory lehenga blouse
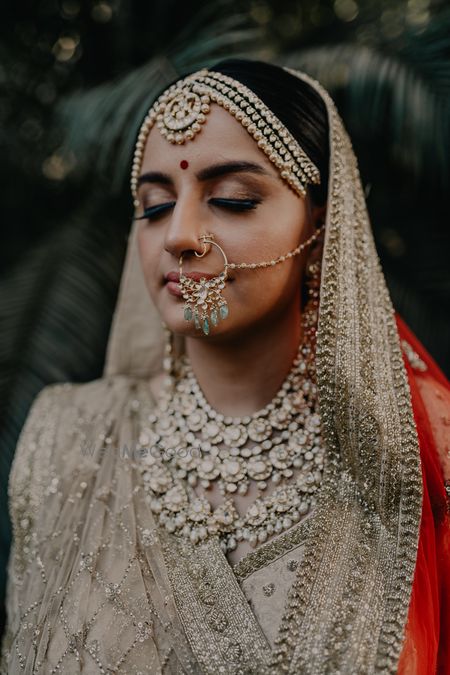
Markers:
point(359, 585)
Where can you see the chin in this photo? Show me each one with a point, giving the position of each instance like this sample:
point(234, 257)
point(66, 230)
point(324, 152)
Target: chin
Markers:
point(171, 314)
point(177, 324)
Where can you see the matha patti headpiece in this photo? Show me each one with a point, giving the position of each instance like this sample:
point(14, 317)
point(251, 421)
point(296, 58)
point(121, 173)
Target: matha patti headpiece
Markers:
point(181, 110)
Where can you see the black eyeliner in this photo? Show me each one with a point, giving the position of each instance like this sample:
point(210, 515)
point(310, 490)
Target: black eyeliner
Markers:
point(230, 204)
point(153, 211)
point(235, 204)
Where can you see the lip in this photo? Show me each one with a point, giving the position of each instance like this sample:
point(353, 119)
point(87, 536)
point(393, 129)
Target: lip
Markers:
point(174, 288)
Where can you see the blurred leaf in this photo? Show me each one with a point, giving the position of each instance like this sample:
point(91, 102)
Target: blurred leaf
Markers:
point(395, 102)
point(396, 93)
point(56, 308)
point(57, 301)
point(101, 125)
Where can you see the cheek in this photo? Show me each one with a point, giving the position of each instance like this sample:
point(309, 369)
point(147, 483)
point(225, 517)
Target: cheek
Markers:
point(264, 290)
point(268, 290)
point(276, 233)
point(148, 253)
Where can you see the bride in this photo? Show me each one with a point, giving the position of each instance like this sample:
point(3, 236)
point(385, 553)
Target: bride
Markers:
point(257, 484)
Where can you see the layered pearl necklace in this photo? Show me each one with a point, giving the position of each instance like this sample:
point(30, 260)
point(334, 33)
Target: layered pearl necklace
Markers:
point(191, 444)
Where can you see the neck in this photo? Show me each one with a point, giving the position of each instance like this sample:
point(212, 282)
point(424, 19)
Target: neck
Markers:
point(243, 375)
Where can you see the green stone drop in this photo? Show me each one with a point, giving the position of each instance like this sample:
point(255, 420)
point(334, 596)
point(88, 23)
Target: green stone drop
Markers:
point(188, 313)
point(214, 317)
point(206, 326)
point(196, 320)
point(223, 311)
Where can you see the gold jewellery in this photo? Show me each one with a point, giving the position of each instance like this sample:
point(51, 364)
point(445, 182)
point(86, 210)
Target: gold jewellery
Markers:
point(203, 300)
point(179, 114)
point(191, 447)
point(181, 110)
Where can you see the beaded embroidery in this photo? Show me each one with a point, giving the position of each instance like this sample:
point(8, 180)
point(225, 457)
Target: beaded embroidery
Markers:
point(414, 359)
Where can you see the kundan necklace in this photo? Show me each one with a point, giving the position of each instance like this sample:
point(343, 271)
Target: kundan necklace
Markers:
point(191, 444)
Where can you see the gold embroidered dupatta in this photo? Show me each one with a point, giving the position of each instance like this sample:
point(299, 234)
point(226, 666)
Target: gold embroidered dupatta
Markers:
point(347, 607)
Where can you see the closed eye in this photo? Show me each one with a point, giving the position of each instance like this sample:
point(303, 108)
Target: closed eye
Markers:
point(235, 204)
point(154, 212)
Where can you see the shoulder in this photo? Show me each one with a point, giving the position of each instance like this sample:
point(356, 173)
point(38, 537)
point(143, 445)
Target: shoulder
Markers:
point(61, 452)
point(430, 391)
point(56, 399)
point(435, 399)
point(57, 416)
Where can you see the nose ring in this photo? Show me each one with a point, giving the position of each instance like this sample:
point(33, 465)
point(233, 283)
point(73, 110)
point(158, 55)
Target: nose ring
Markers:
point(208, 235)
point(203, 300)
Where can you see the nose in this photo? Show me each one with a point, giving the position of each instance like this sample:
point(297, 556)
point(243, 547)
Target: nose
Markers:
point(184, 228)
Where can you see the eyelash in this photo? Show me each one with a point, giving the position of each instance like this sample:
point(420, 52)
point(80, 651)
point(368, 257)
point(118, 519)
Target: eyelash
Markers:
point(237, 205)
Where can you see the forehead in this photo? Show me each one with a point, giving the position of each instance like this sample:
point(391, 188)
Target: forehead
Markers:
point(222, 138)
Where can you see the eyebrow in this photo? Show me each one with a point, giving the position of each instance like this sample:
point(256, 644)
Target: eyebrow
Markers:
point(210, 172)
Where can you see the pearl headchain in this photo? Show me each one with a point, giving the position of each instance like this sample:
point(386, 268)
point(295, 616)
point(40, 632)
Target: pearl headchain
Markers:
point(181, 110)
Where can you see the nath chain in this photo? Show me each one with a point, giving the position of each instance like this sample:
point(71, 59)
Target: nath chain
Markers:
point(207, 239)
point(282, 258)
point(204, 303)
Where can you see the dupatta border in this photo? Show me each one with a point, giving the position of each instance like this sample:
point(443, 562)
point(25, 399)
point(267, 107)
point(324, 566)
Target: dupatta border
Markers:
point(347, 608)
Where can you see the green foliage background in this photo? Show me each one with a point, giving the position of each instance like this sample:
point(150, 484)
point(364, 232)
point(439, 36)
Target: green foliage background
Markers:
point(75, 81)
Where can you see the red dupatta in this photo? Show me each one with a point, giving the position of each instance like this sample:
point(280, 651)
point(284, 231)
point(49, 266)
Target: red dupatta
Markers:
point(426, 650)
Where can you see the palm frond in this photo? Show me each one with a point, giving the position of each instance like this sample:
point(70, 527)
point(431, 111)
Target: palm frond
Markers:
point(100, 125)
point(57, 302)
point(56, 308)
point(395, 93)
point(395, 102)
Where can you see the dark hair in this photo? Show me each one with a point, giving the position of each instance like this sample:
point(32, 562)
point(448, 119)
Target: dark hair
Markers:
point(296, 104)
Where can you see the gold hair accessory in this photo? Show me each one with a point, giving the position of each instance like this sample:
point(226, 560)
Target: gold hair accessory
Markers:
point(181, 110)
point(203, 300)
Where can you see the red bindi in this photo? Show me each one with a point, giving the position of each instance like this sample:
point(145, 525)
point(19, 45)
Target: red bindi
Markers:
point(184, 164)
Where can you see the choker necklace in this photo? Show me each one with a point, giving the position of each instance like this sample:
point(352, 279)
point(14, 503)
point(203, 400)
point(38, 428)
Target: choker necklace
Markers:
point(191, 444)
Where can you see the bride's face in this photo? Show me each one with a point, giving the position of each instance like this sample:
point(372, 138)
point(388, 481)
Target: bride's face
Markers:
point(221, 183)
